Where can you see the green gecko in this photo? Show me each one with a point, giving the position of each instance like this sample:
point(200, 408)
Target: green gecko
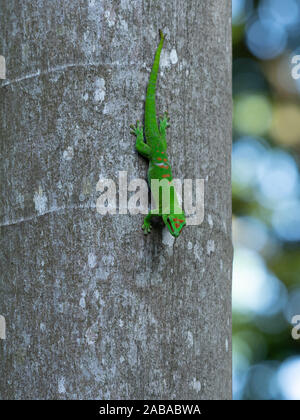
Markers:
point(155, 150)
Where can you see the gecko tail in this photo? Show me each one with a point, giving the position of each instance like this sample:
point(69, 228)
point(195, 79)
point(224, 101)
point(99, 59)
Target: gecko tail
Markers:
point(162, 35)
point(151, 127)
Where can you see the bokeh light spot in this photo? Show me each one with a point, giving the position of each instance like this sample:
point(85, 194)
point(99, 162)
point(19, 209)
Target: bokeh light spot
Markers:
point(292, 307)
point(285, 127)
point(255, 290)
point(266, 39)
point(278, 178)
point(262, 381)
point(249, 232)
point(247, 155)
point(286, 220)
point(282, 12)
point(241, 10)
point(252, 114)
point(288, 378)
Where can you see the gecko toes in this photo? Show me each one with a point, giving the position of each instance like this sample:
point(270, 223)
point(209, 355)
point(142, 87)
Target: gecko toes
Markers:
point(146, 228)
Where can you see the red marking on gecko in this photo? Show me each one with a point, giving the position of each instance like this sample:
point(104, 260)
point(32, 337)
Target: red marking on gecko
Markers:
point(166, 175)
point(178, 220)
point(177, 225)
point(159, 158)
point(165, 160)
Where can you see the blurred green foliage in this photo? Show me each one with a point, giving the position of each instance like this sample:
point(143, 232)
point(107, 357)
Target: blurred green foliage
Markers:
point(266, 199)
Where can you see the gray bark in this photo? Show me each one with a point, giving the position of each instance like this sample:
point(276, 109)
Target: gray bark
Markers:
point(93, 308)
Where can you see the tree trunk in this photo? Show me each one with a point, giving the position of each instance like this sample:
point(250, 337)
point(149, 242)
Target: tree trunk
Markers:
point(93, 308)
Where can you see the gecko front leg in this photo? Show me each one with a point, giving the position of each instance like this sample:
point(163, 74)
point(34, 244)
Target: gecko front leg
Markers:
point(147, 221)
point(140, 145)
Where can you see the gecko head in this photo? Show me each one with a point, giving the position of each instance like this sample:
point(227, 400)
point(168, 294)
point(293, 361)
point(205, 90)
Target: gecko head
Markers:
point(174, 223)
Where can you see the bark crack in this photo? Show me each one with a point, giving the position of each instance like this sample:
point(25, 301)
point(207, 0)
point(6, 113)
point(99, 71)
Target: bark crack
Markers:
point(64, 67)
point(50, 211)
